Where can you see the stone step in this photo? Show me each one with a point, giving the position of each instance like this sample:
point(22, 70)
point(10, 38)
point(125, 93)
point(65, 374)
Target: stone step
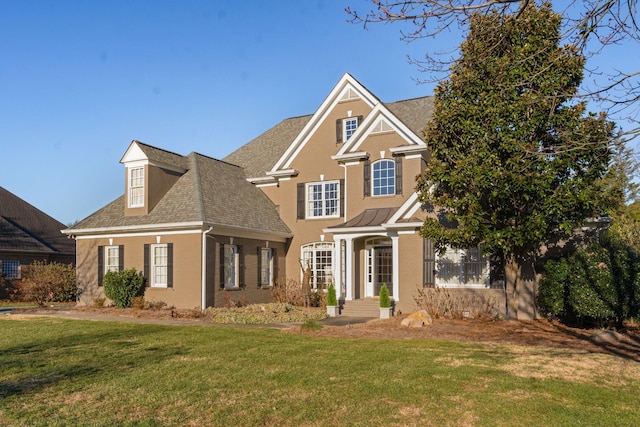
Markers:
point(366, 307)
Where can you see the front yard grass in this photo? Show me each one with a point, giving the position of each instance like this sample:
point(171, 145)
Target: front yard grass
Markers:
point(73, 372)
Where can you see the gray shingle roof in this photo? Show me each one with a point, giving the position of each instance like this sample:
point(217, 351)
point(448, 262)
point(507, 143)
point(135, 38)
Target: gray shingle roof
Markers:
point(26, 228)
point(158, 155)
point(210, 191)
point(261, 154)
point(415, 113)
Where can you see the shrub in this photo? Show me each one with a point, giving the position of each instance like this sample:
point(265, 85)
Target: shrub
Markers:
point(385, 299)
point(332, 300)
point(289, 291)
point(442, 303)
point(99, 302)
point(598, 284)
point(122, 286)
point(44, 282)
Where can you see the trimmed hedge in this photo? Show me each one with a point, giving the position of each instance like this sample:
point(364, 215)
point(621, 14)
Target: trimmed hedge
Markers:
point(598, 284)
point(122, 286)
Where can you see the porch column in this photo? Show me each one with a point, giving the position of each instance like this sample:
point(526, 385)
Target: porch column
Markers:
point(348, 269)
point(395, 254)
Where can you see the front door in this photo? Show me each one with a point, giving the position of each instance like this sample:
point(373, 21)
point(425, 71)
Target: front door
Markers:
point(378, 267)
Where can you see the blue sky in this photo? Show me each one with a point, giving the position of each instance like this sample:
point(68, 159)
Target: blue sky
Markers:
point(80, 79)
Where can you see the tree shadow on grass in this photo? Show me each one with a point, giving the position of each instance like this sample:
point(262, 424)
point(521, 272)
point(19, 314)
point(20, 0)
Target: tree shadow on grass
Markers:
point(625, 345)
point(82, 356)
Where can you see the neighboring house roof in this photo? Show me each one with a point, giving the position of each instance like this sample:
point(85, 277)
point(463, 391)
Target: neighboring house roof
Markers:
point(26, 228)
point(260, 155)
point(211, 192)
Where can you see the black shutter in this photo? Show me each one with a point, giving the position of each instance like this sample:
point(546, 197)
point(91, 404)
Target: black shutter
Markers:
point(221, 266)
point(169, 265)
point(398, 174)
point(147, 255)
point(339, 131)
point(120, 257)
point(259, 251)
point(342, 197)
point(367, 178)
point(360, 119)
point(100, 264)
point(428, 264)
point(300, 200)
point(241, 260)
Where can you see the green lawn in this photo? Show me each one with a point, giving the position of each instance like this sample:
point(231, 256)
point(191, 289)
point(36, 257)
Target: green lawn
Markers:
point(72, 372)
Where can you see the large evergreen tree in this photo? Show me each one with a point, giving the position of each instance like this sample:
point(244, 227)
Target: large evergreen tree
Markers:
point(514, 158)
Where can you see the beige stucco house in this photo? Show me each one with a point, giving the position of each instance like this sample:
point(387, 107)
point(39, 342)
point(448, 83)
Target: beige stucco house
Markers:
point(333, 190)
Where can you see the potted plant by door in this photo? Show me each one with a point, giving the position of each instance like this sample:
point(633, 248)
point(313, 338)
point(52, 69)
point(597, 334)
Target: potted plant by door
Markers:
point(332, 301)
point(385, 302)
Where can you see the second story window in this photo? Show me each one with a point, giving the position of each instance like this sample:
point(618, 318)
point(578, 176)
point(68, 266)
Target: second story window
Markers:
point(323, 199)
point(136, 187)
point(350, 126)
point(384, 178)
point(346, 127)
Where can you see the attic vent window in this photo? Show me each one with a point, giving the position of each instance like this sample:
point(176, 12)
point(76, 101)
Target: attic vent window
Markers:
point(136, 187)
point(381, 126)
point(349, 95)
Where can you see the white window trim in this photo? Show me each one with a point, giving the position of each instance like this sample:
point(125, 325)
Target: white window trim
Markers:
point(373, 179)
point(154, 280)
point(136, 200)
point(345, 135)
point(310, 209)
point(109, 266)
point(235, 258)
point(308, 254)
point(450, 252)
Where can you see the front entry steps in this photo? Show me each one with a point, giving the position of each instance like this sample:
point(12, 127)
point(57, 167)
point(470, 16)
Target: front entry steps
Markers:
point(366, 307)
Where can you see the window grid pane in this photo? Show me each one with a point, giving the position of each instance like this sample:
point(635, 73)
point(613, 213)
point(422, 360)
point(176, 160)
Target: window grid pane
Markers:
point(350, 126)
point(231, 275)
point(11, 269)
point(159, 260)
point(266, 266)
point(323, 199)
point(320, 258)
point(136, 187)
point(384, 178)
point(112, 258)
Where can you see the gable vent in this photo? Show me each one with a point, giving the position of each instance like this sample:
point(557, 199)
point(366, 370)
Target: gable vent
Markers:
point(381, 126)
point(349, 95)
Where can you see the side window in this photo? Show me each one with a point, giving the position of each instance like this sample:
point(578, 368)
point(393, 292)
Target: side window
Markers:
point(158, 265)
point(266, 266)
point(110, 258)
point(320, 257)
point(231, 266)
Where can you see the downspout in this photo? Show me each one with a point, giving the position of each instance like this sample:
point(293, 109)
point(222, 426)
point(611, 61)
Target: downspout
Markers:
point(204, 267)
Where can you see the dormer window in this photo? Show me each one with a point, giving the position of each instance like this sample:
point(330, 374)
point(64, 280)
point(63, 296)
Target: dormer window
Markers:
point(136, 187)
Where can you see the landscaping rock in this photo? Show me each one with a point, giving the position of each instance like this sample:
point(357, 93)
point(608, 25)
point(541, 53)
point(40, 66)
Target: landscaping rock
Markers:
point(417, 320)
